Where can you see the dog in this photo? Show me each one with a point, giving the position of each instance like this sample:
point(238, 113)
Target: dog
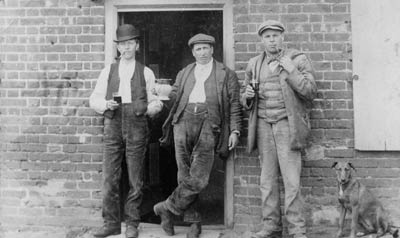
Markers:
point(367, 212)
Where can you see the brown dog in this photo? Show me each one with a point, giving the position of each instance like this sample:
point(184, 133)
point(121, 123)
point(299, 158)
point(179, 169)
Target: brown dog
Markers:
point(367, 212)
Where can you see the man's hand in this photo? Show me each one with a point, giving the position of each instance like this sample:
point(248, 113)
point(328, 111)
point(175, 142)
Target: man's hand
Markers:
point(154, 107)
point(249, 93)
point(287, 64)
point(233, 140)
point(111, 105)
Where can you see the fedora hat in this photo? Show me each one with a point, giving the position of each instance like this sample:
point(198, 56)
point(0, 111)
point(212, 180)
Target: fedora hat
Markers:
point(126, 32)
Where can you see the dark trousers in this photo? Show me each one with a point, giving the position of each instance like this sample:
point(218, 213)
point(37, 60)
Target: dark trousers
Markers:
point(124, 134)
point(194, 151)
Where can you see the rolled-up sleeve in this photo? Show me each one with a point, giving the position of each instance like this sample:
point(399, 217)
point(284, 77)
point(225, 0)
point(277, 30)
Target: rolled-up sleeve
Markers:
point(150, 79)
point(97, 100)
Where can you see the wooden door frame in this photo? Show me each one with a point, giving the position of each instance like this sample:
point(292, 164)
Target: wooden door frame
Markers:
point(113, 7)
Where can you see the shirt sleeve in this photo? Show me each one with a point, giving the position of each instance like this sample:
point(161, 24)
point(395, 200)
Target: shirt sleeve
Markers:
point(150, 84)
point(97, 100)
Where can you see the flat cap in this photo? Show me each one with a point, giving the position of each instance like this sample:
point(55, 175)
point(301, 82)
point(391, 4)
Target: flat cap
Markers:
point(201, 38)
point(271, 24)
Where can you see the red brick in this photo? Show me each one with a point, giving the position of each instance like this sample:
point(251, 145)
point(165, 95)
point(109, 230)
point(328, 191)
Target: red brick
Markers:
point(262, 1)
point(337, 18)
point(90, 20)
point(337, 36)
point(344, 8)
point(264, 9)
point(13, 194)
point(339, 153)
point(90, 38)
point(53, 12)
point(32, 21)
point(294, 9)
point(295, 18)
point(59, 30)
point(317, 8)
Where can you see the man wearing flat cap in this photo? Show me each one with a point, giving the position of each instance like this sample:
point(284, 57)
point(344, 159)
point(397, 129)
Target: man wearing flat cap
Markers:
point(278, 90)
point(206, 118)
point(123, 94)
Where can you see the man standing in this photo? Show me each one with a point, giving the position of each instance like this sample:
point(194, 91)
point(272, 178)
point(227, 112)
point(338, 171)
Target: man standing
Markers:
point(125, 130)
point(206, 118)
point(278, 89)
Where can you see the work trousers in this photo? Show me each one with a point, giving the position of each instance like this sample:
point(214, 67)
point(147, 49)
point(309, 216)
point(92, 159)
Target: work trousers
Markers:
point(125, 136)
point(195, 142)
point(275, 155)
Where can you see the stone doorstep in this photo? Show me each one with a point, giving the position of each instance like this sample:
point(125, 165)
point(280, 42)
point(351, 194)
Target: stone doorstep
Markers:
point(154, 231)
point(146, 230)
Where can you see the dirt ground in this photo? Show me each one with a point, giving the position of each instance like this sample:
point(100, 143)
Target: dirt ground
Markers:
point(149, 231)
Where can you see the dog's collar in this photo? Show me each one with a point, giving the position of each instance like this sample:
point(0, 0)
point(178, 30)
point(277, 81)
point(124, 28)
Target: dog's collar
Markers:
point(348, 181)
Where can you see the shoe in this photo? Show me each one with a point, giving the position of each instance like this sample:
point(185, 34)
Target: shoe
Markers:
point(167, 223)
point(267, 234)
point(194, 231)
point(131, 232)
point(299, 236)
point(107, 230)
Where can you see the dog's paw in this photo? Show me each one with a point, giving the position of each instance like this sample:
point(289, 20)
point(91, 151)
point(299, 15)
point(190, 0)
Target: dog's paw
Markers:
point(339, 234)
point(360, 234)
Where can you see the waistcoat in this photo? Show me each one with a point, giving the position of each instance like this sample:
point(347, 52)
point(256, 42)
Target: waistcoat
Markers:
point(271, 105)
point(138, 89)
point(210, 88)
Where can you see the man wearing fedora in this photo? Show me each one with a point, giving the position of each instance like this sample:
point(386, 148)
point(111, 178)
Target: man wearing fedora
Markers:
point(206, 117)
point(278, 90)
point(126, 131)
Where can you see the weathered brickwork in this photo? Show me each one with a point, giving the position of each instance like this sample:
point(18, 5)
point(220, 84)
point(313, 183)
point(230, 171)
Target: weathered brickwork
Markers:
point(321, 29)
point(51, 51)
point(50, 141)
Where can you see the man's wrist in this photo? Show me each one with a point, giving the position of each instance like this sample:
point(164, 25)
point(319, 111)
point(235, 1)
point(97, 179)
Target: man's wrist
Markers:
point(237, 132)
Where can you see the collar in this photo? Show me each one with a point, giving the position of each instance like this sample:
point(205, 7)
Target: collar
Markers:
point(270, 57)
point(127, 62)
point(204, 66)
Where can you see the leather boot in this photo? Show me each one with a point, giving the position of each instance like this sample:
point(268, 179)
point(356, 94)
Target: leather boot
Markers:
point(299, 236)
point(107, 230)
point(167, 223)
point(131, 232)
point(194, 230)
point(267, 234)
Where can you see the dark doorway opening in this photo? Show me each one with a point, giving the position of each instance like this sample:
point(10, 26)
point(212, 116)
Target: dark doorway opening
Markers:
point(164, 49)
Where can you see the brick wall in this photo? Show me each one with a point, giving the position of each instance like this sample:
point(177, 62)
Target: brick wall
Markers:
point(52, 50)
point(321, 29)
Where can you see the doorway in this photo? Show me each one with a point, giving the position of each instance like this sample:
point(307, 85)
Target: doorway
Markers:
point(164, 49)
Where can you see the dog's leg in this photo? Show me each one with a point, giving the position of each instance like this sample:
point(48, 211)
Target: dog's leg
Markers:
point(341, 221)
point(354, 221)
point(394, 232)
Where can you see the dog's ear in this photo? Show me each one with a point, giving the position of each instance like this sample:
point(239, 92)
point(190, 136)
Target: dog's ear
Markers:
point(334, 165)
point(351, 166)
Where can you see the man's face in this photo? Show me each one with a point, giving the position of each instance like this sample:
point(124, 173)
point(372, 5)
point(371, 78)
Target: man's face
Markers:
point(272, 40)
point(128, 49)
point(202, 53)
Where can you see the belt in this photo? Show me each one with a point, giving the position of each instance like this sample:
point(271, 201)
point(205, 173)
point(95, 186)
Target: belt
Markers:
point(196, 108)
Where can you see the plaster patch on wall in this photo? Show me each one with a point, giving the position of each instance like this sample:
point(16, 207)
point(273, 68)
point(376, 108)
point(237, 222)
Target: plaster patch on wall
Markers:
point(82, 137)
point(46, 194)
point(325, 214)
point(314, 152)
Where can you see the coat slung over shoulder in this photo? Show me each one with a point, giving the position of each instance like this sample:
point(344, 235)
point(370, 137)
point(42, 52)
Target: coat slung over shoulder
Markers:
point(299, 89)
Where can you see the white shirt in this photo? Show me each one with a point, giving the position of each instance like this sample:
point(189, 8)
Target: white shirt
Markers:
point(201, 74)
point(126, 70)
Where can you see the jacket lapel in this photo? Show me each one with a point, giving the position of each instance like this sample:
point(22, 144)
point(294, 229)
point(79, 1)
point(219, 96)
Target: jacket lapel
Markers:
point(220, 75)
